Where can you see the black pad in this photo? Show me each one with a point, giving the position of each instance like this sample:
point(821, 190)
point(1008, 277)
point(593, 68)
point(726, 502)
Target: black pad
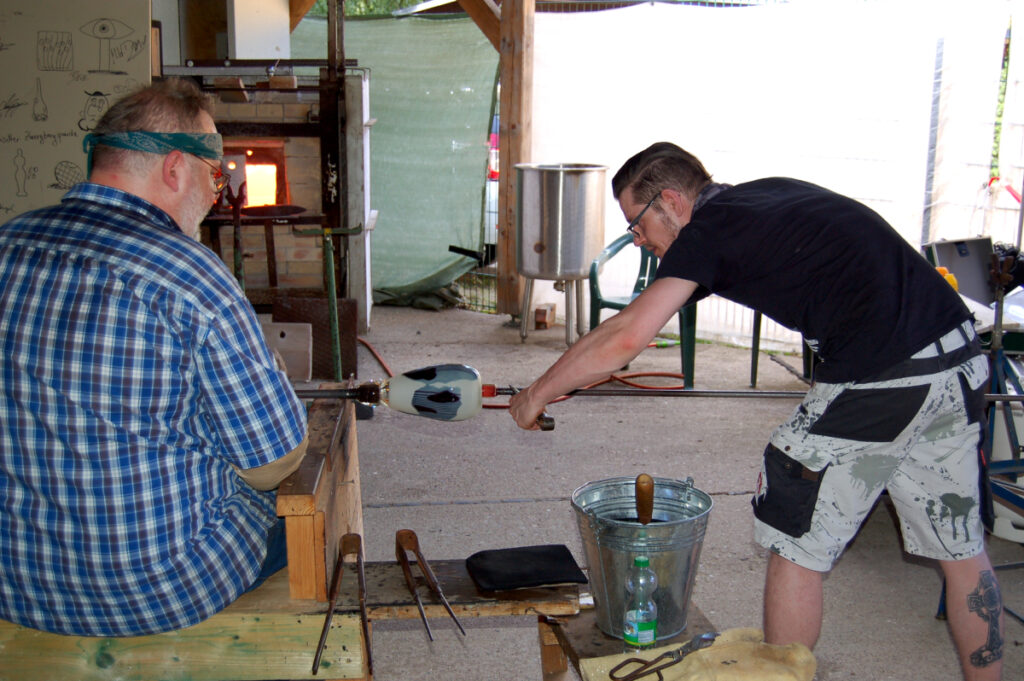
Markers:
point(524, 567)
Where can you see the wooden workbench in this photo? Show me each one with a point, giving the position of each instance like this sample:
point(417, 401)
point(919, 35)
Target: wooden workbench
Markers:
point(272, 632)
point(267, 635)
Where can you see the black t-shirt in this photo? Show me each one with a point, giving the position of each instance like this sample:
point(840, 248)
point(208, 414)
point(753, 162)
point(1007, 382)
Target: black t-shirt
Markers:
point(822, 264)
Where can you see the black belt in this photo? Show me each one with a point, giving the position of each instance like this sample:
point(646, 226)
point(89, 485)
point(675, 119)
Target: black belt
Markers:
point(928, 365)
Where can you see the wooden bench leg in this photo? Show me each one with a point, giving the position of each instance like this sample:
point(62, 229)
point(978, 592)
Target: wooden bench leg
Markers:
point(552, 658)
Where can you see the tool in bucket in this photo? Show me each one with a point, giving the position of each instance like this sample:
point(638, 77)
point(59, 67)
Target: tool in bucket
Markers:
point(644, 491)
point(351, 544)
point(606, 516)
point(405, 541)
point(637, 667)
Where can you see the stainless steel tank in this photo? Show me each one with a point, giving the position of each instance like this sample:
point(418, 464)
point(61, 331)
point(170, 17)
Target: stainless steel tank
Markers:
point(560, 219)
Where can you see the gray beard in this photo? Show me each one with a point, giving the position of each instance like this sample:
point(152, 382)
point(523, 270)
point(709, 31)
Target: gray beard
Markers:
point(192, 215)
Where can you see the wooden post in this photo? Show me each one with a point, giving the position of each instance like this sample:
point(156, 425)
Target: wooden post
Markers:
point(516, 138)
point(553, 662)
point(321, 501)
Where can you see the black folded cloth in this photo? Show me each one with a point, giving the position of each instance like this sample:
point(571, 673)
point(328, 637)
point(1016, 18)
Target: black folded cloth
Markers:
point(524, 567)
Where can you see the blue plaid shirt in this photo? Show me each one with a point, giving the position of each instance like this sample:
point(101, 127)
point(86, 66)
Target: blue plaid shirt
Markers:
point(134, 374)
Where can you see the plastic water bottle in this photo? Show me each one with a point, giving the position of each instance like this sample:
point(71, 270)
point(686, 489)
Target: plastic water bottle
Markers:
point(640, 623)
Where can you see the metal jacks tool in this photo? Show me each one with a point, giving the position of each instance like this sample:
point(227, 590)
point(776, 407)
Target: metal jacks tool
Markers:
point(406, 540)
point(637, 667)
point(351, 544)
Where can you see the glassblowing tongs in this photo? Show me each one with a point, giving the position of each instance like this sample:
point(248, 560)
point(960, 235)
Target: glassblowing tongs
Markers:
point(406, 540)
point(351, 544)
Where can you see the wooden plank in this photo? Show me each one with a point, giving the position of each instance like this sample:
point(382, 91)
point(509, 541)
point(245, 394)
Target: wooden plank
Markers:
point(322, 562)
point(581, 639)
point(516, 139)
point(297, 10)
point(553, 662)
point(321, 501)
point(389, 598)
point(296, 494)
point(229, 645)
point(339, 501)
point(350, 511)
point(305, 564)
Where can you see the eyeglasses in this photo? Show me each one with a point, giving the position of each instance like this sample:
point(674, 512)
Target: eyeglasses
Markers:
point(219, 177)
point(631, 228)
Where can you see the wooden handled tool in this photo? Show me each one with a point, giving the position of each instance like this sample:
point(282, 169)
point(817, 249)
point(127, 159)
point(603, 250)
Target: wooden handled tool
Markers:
point(406, 540)
point(351, 544)
point(644, 498)
point(403, 560)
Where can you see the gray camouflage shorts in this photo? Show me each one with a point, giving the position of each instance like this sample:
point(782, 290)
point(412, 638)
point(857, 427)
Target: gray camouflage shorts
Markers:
point(915, 434)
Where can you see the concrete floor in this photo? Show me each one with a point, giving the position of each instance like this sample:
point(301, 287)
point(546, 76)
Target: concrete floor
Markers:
point(483, 484)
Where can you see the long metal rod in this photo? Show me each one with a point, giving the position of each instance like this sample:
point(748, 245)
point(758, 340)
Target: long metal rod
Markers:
point(681, 392)
point(353, 393)
point(353, 543)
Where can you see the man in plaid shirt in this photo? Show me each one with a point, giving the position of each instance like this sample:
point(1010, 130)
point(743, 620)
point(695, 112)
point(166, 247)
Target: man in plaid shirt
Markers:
point(143, 422)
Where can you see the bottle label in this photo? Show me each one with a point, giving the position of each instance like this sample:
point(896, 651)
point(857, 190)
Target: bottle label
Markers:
point(639, 634)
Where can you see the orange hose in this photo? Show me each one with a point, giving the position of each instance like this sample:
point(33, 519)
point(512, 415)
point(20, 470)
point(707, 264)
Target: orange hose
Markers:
point(620, 378)
point(376, 355)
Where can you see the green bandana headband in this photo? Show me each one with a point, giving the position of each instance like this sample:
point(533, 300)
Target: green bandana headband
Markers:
point(206, 145)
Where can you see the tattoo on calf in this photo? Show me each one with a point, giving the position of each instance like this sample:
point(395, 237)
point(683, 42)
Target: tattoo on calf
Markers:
point(987, 602)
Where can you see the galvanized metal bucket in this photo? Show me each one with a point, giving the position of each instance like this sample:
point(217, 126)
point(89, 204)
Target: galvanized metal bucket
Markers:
point(560, 219)
point(612, 537)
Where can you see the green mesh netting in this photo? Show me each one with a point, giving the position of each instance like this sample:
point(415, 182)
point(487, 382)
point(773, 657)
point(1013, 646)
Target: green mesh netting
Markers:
point(432, 85)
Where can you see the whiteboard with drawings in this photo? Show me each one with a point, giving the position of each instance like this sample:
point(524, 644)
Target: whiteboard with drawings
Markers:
point(63, 63)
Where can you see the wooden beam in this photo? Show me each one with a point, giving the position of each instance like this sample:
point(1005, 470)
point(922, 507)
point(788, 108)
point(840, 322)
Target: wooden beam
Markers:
point(486, 16)
point(516, 139)
point(297, 10)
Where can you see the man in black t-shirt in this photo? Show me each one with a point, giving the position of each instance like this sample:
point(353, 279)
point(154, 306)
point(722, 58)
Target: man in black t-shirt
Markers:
point(898, 401)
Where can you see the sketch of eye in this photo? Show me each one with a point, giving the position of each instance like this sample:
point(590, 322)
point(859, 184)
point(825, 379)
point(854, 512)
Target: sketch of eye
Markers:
point(106, 28)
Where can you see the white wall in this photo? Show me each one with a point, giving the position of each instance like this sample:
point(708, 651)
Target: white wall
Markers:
point(840, 94)
point(258, 29)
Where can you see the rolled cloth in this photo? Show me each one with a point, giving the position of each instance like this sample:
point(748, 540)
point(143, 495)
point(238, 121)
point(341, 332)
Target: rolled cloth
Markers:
point(204, 144)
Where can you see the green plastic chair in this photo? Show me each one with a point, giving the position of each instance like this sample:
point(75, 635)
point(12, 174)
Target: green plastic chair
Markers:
point(687, 314)
point(648, 266)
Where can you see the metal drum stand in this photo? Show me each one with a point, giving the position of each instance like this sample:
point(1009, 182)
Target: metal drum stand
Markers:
point(560, 230)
